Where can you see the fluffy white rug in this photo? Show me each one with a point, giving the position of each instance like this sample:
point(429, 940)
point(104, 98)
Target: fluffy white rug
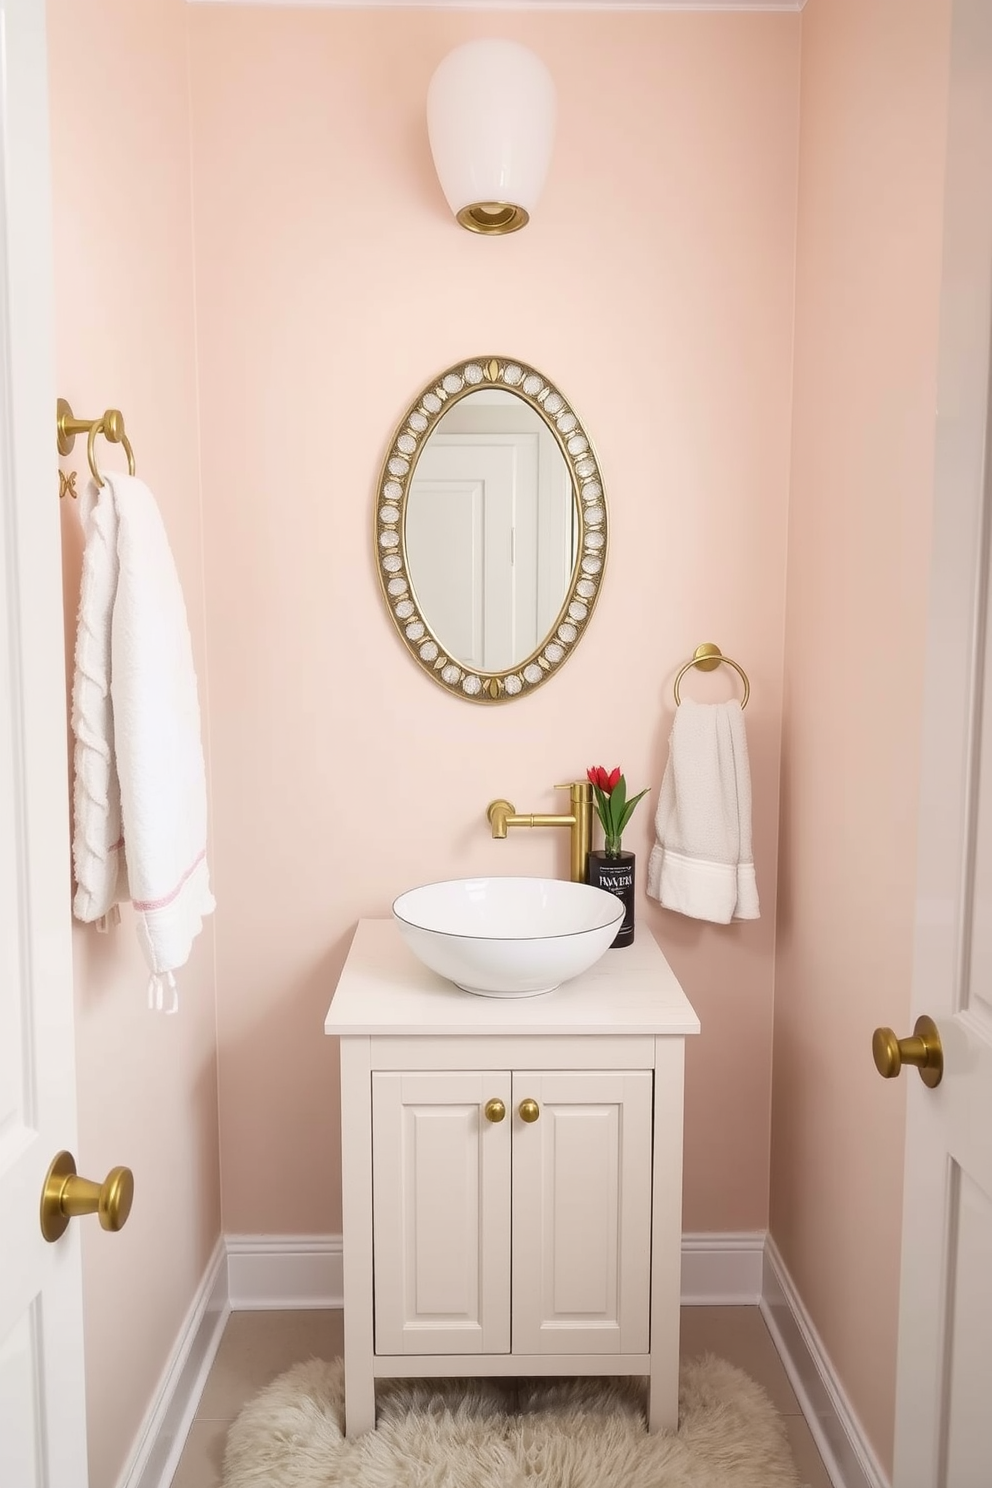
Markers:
point(586, 1433)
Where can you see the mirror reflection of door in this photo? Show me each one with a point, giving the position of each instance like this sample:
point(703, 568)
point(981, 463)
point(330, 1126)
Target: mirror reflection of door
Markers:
point(491, 530)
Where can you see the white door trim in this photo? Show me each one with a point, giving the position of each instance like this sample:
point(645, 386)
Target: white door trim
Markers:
point(41, 1325)
point(952, 730)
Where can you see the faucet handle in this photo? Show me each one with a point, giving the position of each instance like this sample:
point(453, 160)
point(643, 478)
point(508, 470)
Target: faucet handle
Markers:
point(570, 785)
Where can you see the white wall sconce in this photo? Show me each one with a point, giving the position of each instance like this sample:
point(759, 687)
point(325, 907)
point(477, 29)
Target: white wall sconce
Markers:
point(491, 124)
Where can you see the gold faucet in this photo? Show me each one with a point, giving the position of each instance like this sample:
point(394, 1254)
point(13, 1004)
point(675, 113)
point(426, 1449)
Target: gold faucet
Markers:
point(503, 814)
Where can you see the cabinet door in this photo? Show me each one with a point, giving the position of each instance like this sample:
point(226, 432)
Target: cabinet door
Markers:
point(582, 1213)
point(440, 1213)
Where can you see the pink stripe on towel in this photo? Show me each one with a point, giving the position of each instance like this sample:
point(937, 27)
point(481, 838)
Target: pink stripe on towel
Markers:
point(144, 905)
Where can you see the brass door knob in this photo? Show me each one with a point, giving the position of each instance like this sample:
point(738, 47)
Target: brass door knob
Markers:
point(65, 1197)
point(923, 1049)
point(529, 1110)
point(494, 1110)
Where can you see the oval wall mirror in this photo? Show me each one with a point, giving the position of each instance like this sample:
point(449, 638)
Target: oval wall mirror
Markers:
point(490, 529)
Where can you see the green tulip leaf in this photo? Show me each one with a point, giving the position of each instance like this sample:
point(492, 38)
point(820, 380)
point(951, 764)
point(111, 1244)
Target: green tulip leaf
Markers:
point(629, 810)
point(603, 809)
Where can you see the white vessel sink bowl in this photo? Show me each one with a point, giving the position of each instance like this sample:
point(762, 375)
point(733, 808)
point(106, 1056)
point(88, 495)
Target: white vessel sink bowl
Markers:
point(508, 937)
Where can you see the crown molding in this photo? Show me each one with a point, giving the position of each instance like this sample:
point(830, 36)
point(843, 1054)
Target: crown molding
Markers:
point(782, 7)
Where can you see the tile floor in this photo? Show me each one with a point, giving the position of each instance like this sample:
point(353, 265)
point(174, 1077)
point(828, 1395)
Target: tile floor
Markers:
point(257, 1346)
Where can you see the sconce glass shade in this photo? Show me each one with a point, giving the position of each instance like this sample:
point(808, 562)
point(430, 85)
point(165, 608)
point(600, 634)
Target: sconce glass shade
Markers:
point(491, 124)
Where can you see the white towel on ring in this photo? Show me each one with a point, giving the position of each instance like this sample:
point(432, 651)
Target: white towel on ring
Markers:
point(139, 798)
point(702, 865)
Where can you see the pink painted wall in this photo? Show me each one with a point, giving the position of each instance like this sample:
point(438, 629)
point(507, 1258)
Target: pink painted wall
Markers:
point(874, 95)
point(125, 336)
point(655, 285)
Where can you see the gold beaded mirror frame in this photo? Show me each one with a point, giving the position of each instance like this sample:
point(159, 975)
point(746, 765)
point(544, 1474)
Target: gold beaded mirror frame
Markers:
point(488, 578)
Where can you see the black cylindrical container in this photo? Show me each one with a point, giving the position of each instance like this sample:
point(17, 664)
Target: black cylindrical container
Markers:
point(616, 875)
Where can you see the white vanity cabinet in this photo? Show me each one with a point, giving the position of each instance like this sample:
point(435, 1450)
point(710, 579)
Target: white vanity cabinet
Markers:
point(511, 1173)
point(491, 1232)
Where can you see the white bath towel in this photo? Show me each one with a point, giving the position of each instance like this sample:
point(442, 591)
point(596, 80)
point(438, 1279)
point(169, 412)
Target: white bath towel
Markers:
point(140, 799)
point(702, 864)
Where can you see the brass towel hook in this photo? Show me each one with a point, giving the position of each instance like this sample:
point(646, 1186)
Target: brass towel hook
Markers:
point(706, 657)
point(110, 424)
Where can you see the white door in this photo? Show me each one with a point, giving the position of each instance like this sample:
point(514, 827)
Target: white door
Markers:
point(490, 535)
point(582, 1212)
point(441, 1212)
point(42, 1421)
point(459, 542)
point(943, 1414)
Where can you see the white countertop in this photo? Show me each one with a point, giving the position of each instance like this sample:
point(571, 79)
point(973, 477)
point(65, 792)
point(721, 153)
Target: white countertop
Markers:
point(384, 989)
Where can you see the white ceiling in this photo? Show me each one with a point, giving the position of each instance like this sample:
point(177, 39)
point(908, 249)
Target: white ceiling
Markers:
point(753, 5)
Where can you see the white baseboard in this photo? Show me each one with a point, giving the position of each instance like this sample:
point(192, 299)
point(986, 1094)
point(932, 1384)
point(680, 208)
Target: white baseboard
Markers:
point(722, 1270)
point(273, 1271)
point(254, 1272)
point(159, 1444)
point(288, 1271)
point(840, 1439)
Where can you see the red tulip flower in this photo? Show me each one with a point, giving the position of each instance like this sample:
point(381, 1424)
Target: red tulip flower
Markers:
point(603, 779)
point(612, 805)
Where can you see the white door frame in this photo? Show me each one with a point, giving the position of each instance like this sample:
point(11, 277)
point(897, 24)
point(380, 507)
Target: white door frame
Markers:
point(951, 733)
point(42, 1410)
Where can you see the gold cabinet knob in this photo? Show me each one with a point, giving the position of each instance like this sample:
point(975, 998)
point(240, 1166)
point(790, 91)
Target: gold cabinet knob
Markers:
point(922, 1049)
point(494, 1110)
point(65, 1197)
point(529, 1110)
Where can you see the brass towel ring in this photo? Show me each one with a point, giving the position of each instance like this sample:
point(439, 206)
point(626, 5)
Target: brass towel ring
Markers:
point(109, 424)
point(706, 657)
